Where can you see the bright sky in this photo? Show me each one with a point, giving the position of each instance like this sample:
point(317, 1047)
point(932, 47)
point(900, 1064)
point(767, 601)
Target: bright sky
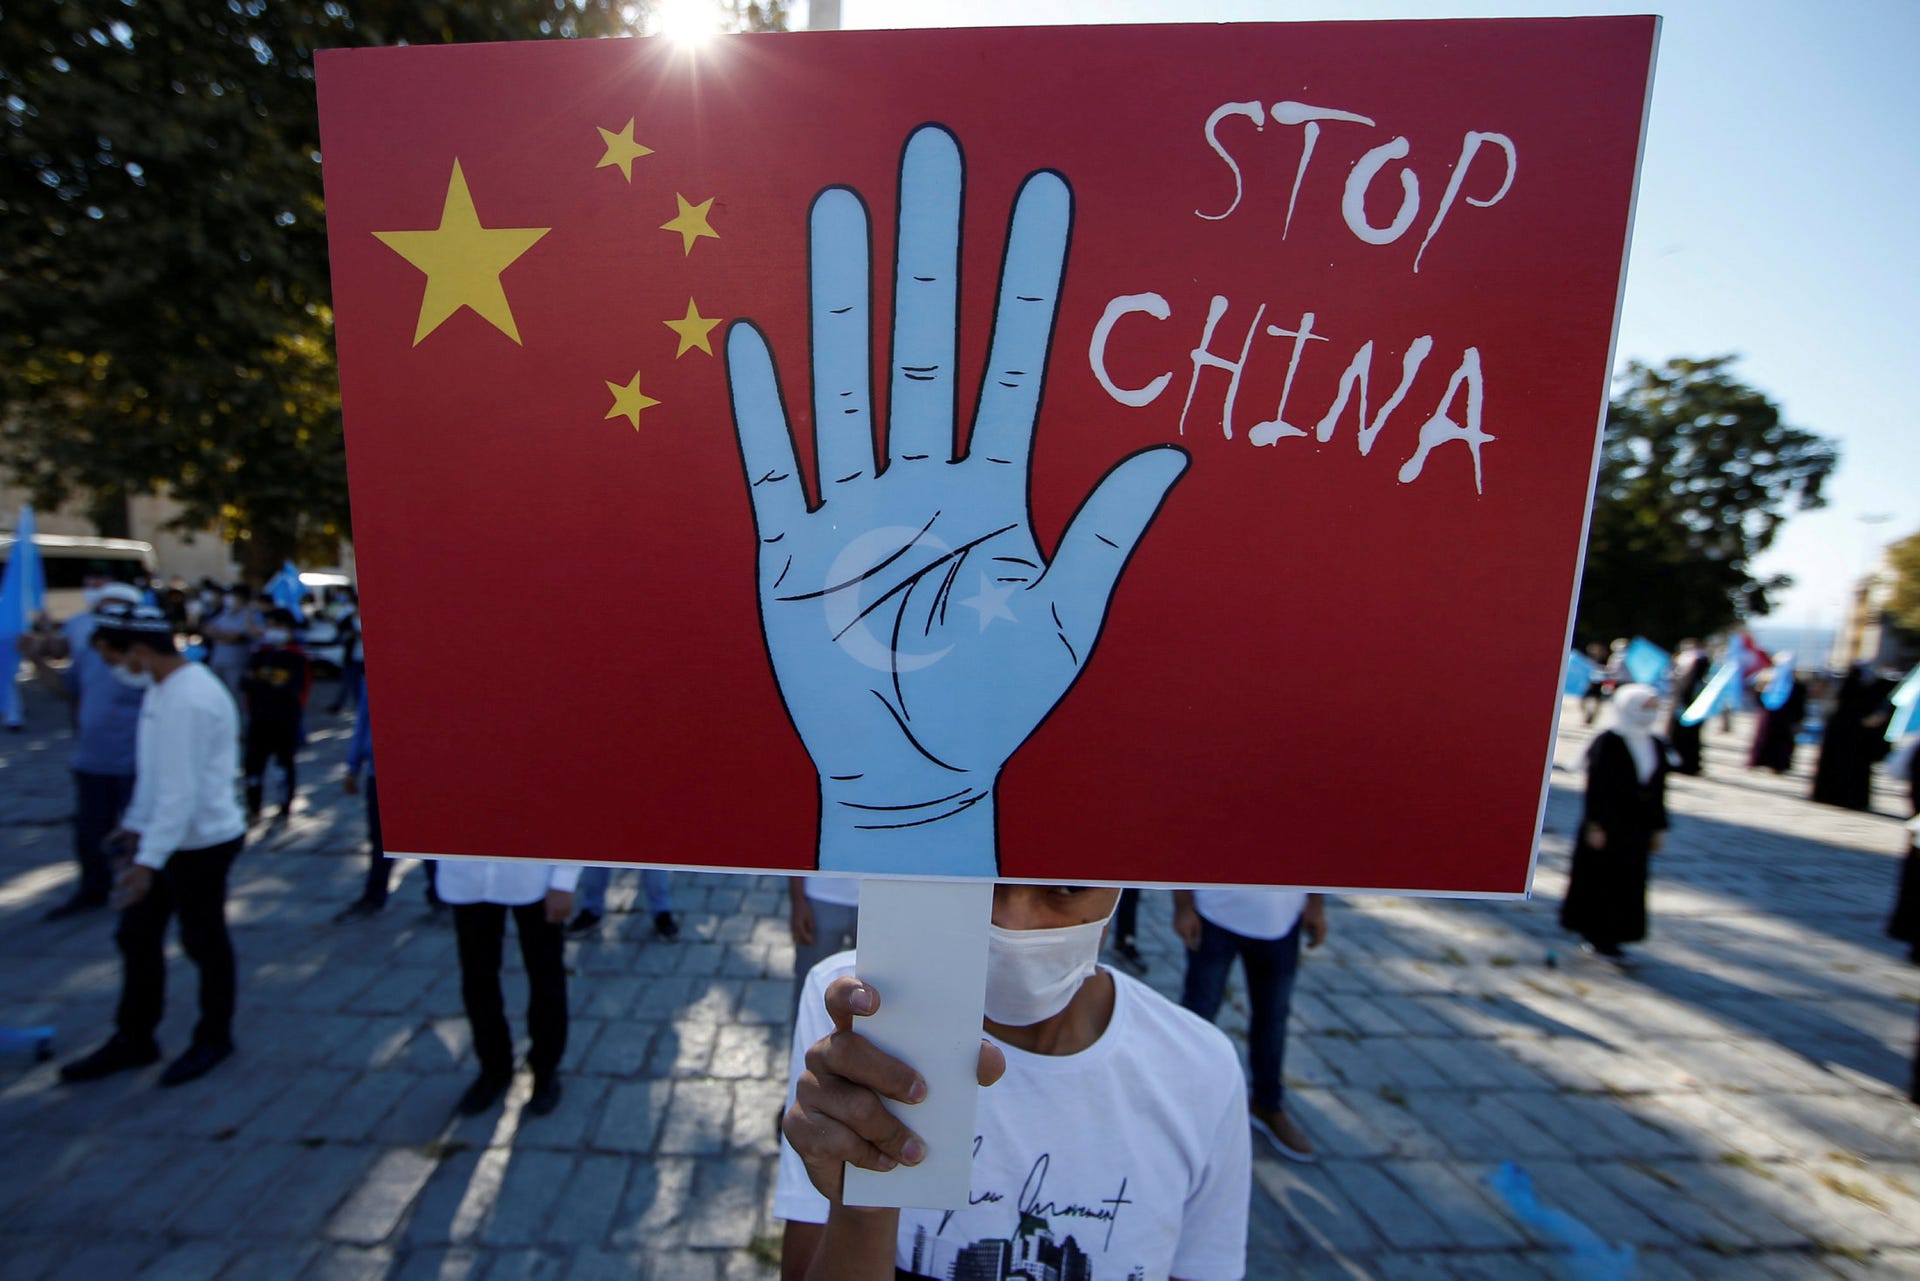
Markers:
point(1775, 220)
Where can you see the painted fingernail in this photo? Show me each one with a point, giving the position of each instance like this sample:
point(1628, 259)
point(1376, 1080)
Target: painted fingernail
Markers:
point(913, 1152)
point(861, 1000)
point(918, 1090)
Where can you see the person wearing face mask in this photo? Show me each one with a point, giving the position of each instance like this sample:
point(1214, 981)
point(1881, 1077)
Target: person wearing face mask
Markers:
point(276, 684)
point(106, 716)
point(1623, 822)
point(183, 830)
point(230, 635)
point(1115, 1143)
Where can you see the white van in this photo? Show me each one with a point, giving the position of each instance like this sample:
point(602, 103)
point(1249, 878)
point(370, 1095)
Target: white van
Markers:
point(70, 558)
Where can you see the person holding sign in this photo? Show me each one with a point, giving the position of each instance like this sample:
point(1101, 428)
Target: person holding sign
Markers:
point(1114, 1144)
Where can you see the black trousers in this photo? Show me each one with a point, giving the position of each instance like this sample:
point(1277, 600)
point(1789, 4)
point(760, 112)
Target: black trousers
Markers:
point(193, 885)
point(99, 801)
point(481, 929)
point(379, 866)
point(266, 742)
point(1126, 915)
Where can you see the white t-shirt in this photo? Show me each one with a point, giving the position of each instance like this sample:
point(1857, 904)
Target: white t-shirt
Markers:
point(843, 890)
point(186, 753)
point(1254, 914)
point(1129, 1159)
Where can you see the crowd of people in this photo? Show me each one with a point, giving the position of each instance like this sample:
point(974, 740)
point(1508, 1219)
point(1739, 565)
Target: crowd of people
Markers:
point(161, 741)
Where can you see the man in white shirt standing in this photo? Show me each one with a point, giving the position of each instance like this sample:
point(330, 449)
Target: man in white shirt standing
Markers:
point(540, 896)
point(1262, 928)
point(183, 828)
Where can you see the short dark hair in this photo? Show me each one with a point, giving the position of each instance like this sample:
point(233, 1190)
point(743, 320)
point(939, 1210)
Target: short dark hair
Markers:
point(283, 617)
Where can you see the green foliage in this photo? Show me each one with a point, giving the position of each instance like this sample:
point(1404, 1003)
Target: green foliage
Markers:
point(1904, 557)
point(164, 304)
point(1697, 475)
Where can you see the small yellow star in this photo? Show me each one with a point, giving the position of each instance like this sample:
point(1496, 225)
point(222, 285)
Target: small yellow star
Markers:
point(693, 329)
point(691, 222)
point(628, 401)
point(622, 150)
point(463, 261)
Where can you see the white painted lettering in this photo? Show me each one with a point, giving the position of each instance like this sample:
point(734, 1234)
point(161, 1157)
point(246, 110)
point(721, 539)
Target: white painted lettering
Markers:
point(1125, 305)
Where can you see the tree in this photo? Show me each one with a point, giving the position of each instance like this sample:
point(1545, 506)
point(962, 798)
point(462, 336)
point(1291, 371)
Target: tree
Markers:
point(1904, 557)
point(165, 322)
point(1697, 475)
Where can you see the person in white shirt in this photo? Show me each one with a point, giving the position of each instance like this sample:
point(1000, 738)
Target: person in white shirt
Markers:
point(183, 828)
point(1115, 1146)
point(824, 914)
point(1262, 928)
point(540, 896)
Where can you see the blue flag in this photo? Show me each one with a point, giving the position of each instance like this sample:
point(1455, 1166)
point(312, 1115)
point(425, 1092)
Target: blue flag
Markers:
point(1723, 685)
point(1581, 672)
point(1906, 708)
point(286, 591)
point(23, 586)
point(1780, 688)
point(1647, 663)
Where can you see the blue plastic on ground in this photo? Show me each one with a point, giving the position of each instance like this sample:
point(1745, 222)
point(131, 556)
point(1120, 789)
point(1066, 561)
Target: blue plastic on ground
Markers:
point(1588, 1255)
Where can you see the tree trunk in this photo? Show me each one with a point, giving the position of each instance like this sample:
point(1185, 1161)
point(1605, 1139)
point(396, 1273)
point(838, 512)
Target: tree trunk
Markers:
point(111, 513)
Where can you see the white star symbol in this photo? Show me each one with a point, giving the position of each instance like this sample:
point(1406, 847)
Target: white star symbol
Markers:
point(990, 603)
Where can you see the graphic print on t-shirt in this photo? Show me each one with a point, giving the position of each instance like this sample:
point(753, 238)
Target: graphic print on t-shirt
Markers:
point(1054, 1240)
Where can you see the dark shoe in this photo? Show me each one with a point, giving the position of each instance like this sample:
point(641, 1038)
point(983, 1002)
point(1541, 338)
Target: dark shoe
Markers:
point(1130, 958)
point(1278, 1129)
point(76, 905)
point(117, 1055)
point(356, 910)
point(483, 1093)
point(583, 922)
point(665, 926)
point(195, 1063)
point(545, 1097)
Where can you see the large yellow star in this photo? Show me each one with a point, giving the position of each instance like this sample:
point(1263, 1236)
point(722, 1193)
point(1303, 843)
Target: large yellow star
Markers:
point(628, 401)
point(691, 222)
point(621, 150)
point(463, 261)
point(693, 329)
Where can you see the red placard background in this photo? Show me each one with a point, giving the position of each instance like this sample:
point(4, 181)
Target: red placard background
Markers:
point(1312, 672)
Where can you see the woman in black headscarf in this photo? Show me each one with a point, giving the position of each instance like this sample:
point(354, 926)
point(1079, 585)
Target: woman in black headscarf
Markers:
point(1621, 826)
point(1777, 728)
point(1851, 743)
point(1690, 675)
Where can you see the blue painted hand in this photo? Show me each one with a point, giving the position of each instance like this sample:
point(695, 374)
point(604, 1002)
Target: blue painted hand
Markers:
point(916, 632)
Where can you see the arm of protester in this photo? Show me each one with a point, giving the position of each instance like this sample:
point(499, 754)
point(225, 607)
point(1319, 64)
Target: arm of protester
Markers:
point(799, 911)
point(1313, 918)
point(560, 886)
point(1186, 919)
point(837, 1117)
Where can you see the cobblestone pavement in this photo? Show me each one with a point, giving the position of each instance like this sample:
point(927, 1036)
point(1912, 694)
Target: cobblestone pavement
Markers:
point(1733, 1107)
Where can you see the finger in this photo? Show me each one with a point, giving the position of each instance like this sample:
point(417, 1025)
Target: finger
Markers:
point(862, 1112)
point(926, 275)
point(761, 426)
point(1101, 537)
point(852, 1057)
point(823, 1140)
point(847, 997)
point(841, 321)
point(993, 1063)
point(1030, 276)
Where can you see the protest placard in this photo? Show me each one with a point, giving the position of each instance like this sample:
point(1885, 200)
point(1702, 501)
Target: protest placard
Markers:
point(1140, 455)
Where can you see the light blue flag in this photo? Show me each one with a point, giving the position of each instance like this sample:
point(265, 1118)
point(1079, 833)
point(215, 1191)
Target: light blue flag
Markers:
point(285, 590)
point(1722, 688)
point(1780, 688)
point(1906, 708)
point(1588, 1255)
point(23, 587)
point(1581, 672)
point(1647, 663)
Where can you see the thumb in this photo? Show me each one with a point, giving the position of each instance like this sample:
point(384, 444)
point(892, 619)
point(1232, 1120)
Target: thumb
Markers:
point(1101, 537)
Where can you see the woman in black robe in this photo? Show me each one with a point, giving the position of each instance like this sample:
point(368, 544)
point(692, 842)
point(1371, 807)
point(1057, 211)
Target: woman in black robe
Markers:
point(1692, 668)
point(1621, 826)
point(1851, 744)
point(1775, 732)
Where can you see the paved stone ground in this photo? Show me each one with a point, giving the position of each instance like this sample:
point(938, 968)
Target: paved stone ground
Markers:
point(1734, 1107)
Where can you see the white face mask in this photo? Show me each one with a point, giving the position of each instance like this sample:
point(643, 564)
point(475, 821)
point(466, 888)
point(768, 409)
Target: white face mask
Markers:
point(1032, 974)
point(132, 680)
point(276, 636)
